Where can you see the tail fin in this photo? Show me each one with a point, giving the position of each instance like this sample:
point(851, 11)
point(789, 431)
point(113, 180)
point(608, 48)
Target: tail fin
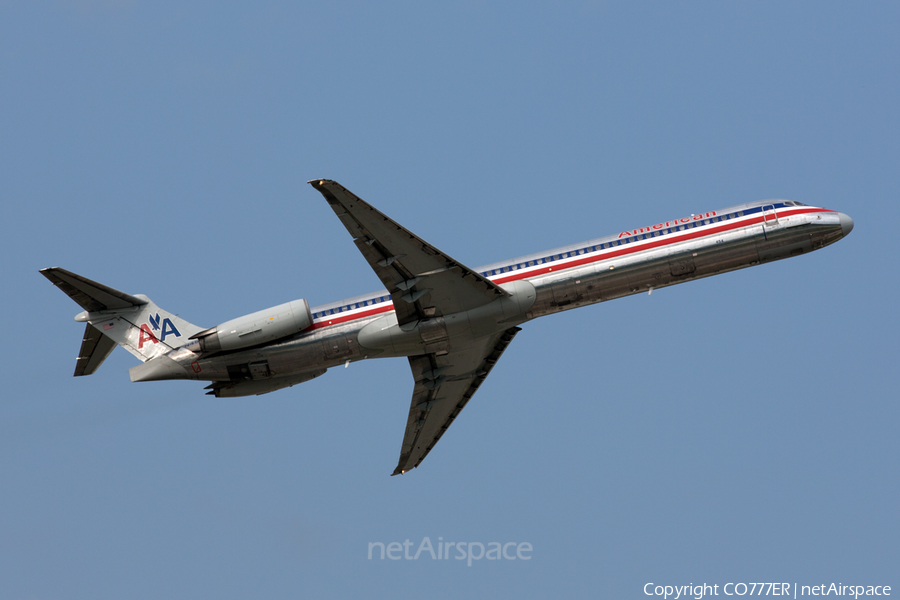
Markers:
point(114, 317)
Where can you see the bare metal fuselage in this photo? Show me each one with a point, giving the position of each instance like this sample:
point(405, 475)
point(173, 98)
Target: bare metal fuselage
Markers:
point(630, 263)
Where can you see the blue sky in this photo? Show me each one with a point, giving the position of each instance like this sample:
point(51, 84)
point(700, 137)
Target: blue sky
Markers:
point(738, 428)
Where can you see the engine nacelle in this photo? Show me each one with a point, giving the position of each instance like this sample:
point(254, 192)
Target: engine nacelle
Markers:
point(257, 328)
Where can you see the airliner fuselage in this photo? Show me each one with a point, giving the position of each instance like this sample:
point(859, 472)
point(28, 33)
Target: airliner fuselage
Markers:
point(630, 262)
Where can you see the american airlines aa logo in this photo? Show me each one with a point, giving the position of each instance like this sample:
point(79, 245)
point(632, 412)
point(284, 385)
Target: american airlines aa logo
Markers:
point(147, 336)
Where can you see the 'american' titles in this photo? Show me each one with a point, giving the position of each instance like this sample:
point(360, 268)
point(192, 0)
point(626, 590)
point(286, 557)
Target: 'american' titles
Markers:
point(674, 223)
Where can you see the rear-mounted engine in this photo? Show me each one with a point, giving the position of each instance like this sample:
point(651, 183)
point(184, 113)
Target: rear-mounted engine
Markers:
point(257, 328)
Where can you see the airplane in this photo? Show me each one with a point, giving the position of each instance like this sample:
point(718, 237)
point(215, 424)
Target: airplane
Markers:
point(450, 321)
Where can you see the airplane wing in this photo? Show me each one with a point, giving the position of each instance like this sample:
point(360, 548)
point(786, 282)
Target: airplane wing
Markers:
point(423, 281)
point(444, 384)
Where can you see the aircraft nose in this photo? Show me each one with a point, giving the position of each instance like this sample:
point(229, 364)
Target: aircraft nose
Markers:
point(846, 224)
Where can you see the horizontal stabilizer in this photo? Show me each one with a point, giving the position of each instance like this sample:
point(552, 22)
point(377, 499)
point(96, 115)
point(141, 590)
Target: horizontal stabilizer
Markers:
point(90, 295)
point(94, 349)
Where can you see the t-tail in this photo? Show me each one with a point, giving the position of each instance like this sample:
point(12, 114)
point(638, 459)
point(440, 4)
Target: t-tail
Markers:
point(113, 317)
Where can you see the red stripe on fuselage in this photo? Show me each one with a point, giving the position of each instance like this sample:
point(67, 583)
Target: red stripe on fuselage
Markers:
point(631, 248)
point(635, 247)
